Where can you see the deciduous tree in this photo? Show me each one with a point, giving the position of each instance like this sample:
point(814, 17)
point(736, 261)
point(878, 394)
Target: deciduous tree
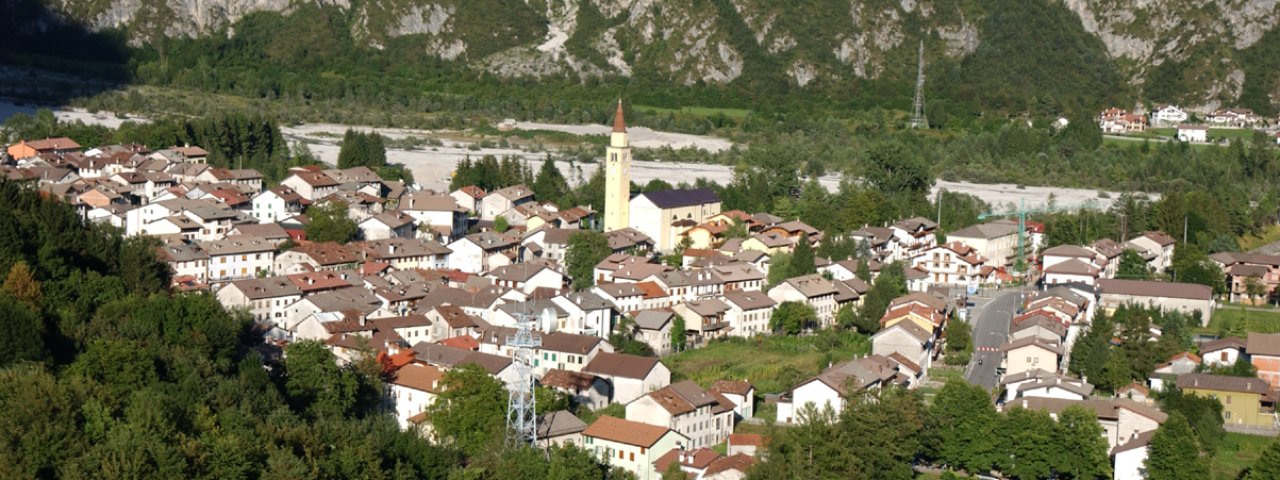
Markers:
point(586, 249)
point(329, 223)
point(1174, 453)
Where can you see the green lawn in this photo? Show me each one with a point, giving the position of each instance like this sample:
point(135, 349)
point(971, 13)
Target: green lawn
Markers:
point(1236, 453)
point(734, 113)
point(772, 363)
point(945, 374)
point(1266, 236)
point(1256, 321)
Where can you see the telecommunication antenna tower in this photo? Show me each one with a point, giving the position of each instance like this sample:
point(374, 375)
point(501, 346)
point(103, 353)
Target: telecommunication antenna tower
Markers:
point(522, 419)
point(918, 119)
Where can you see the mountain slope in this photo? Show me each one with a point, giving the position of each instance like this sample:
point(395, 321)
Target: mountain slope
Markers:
point(1194, 53)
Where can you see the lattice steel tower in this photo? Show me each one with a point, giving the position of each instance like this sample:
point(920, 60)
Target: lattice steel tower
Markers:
point(522, 419)
point(918, 119)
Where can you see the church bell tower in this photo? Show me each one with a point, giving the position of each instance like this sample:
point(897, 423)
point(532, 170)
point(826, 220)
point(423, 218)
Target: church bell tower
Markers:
point(617, 184)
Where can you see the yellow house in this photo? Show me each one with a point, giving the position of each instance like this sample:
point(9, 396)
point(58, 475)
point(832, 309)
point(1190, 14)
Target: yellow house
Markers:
point(706, 234)
point(768, 243)
point(1242, 398)
point(925, 318)
point(1030, 353)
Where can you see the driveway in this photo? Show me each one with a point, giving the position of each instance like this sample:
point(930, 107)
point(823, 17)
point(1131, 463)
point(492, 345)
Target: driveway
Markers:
point(990, 321)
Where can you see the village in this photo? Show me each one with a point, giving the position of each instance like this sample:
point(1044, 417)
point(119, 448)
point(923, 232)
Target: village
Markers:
point(439, 280)
point(1181, 125)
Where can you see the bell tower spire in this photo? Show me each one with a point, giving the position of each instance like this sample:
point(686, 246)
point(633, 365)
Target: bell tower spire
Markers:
point(617, 187)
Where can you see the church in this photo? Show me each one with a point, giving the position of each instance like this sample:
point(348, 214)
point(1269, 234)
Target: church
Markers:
point(662, 215)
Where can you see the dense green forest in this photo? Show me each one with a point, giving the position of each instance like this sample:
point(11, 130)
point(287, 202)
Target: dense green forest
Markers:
point(108, 375)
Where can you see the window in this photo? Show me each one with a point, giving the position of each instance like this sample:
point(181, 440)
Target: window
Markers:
point(1228, 399)
point(621, 455)
point(633, 456)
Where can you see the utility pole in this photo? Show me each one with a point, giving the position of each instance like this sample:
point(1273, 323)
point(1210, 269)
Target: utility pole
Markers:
point(938, 200)
point(522, 417)
point(918, 119)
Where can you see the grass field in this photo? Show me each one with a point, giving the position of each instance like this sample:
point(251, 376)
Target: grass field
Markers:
point(734, 113)
point(1268, 235)
point(1236, 453)
point(773, 364)
point(1258, 321)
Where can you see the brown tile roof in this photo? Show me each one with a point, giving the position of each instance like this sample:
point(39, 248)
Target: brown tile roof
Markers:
point(623, 431)
point(1102, 408)
point(621, 365)
point(1223, 383)
point(1137, 442)
point(1263, 344)
point(735, 387)
point(418, 376)
point(557, 423)
point(740, 462)
point(1028, 341)
point(1145, 288)
point(566, 379)
point(1221, 344)
point(746, 439)
point(927, 299)
point(683, 397)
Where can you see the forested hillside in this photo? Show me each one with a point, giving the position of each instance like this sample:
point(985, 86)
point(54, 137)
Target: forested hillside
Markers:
point(1030, 56)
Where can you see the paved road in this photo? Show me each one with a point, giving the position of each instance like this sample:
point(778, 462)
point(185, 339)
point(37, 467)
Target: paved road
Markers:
point(990, 322)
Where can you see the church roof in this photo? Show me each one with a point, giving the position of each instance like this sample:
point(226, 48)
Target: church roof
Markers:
point(619, 126)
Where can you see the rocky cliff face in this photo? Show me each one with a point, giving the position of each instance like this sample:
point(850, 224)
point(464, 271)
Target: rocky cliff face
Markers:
point(713, 41)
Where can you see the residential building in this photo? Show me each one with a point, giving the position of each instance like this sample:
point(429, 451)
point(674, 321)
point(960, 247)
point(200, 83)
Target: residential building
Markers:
point(1193, 133)
point(1263, 351)
point(501, 200)
point(1188, 298)
point(234, 258)
point(740, 392)
point(749, 312)
point(906, 339)
point(1245, 401)
point(559, 428)
point(653, 328)
point(632, 446)
point(309, 184)
point(1224, 352)
point(954, 264)
point(1154, 247)
point(1130, 459)
point(412, 388)
point(583, 389)
point(1122, 421)
point(265, 299)
point(631, 376)
point(1166, 115)
point(688, 409)
point(996, 241)
point(834, 385)
point(469, 197)
point(1031, 353)
point(813, 290)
